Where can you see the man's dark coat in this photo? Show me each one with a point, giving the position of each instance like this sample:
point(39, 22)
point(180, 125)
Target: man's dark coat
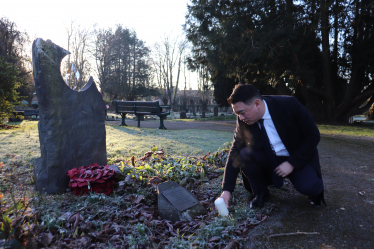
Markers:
point(295, 127)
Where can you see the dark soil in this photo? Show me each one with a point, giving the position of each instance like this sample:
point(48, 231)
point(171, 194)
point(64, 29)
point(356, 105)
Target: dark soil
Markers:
point(7, 127)
point(348, 219)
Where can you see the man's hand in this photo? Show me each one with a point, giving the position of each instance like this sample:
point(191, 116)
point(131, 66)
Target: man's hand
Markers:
point(226, 195)
point(284, 169)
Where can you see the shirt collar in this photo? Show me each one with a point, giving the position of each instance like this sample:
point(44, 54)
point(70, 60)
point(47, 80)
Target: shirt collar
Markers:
point(267, 113)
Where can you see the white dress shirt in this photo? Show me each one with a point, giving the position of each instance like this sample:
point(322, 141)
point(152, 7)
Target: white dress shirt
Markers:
point(274, 139)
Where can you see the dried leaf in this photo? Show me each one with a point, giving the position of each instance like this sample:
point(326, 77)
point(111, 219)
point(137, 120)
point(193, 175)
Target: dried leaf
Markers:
point(154, 181)
point(65, 216)
point(84, 241)
point(117, 227)
point(138, 199)
point(147, 215)
point(170, 228)
point(157, 222)
point(46, 239)
point(204, 158)
point(129, 179)
point(115, 237)
point(213, 239)
point(76, 218)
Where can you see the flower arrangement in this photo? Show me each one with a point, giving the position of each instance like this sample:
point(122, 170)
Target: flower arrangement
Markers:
point(91, 178)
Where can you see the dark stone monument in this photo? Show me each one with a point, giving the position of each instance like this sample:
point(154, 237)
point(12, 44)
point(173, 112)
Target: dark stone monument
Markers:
point(215, 113)
point(71, 125)
point(182, 115)
point(176, 203)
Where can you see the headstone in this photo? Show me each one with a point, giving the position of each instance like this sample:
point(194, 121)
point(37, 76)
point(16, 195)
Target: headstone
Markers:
point(183, 115)
point(215, 114)
point(176, 203)
point(71, 124)
point(203, 114)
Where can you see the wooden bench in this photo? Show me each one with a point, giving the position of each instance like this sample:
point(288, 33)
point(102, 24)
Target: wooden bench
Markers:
point(141, 108)
point(25, 113)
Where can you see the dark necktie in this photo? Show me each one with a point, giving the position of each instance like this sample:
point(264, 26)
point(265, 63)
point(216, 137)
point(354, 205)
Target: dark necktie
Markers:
point(271, 157)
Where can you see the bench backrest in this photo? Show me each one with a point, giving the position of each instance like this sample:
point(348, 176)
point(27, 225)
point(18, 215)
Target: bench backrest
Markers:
point(30, 112)
point(152, 107)
point(124, 106)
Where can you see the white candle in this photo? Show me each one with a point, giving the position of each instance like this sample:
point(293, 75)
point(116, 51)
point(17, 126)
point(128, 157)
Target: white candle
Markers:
point(221, 207)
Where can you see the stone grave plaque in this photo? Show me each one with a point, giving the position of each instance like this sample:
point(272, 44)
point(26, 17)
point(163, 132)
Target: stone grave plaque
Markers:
point(180, 198)
point(177, 203)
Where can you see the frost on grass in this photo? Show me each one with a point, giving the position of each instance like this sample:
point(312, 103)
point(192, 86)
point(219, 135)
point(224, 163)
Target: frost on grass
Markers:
point(128, 217)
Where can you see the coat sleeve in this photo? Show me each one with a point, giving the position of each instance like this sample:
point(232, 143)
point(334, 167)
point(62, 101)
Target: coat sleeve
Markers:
point(232, 167)
point(309, 135)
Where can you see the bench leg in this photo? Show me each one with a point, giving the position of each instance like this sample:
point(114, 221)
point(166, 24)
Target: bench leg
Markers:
point(138, 117)
point(162, 126)
point(123, 120)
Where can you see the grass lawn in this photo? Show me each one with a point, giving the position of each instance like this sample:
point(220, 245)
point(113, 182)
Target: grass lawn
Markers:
point(121, 141)
point(127, 141)
point(22, 141)
point(347, 130)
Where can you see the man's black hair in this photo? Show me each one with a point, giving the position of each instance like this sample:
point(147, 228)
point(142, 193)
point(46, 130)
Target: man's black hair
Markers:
point(246, 93)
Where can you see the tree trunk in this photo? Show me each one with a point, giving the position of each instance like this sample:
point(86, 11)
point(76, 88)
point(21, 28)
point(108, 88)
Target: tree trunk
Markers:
point(325, 28)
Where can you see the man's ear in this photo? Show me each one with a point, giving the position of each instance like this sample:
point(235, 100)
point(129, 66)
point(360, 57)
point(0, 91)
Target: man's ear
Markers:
point(257, 103)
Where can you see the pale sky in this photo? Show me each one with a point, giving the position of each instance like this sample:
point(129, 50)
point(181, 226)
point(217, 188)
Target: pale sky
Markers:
point(48, 19)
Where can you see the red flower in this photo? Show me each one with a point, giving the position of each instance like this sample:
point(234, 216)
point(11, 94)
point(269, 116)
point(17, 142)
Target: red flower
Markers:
point(91, 178)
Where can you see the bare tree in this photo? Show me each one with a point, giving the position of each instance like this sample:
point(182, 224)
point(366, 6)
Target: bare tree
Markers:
point(121, 61)
point(103, 57)
point(167, 62)
point(203, 85)
point(77, 45)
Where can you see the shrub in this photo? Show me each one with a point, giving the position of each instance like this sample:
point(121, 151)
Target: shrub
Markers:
point(9, 82)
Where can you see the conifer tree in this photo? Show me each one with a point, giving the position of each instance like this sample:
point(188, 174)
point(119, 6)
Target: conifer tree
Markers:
point(319, 51)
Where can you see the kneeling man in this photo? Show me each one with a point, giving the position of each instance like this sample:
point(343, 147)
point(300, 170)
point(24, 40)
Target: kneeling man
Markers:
point(275, 137)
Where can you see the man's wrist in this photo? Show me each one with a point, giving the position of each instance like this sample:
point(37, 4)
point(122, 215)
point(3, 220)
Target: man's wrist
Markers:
point(228, 190)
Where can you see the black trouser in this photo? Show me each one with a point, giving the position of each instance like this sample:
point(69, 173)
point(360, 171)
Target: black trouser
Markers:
point(257, 175)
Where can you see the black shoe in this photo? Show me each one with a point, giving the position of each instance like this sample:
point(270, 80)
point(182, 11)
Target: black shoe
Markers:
point(259, 200)
point(317, 201)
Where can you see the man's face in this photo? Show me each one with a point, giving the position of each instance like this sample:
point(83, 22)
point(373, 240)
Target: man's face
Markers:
point(249, 114)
